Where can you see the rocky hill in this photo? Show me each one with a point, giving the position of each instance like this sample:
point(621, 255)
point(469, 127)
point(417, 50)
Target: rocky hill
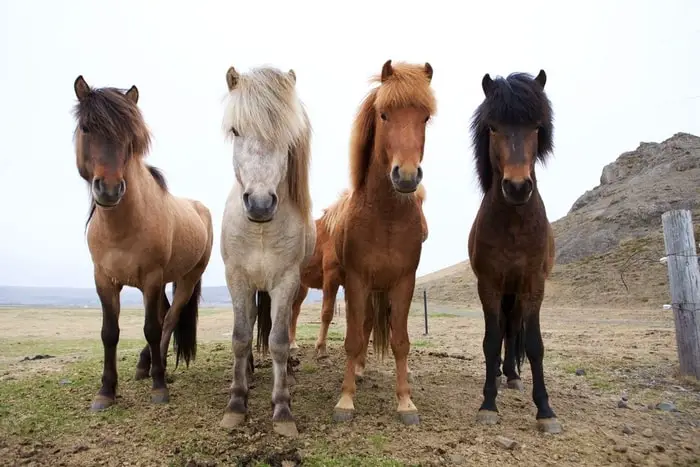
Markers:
point(610, 242)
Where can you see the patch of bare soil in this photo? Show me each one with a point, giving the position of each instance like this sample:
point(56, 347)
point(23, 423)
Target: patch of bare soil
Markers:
point(625, 361)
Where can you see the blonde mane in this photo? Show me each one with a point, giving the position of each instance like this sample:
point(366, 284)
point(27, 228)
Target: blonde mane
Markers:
point(407, 86)
point(263, 104)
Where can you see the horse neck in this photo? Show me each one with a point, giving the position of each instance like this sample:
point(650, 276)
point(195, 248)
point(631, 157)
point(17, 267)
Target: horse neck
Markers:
point(132, 209)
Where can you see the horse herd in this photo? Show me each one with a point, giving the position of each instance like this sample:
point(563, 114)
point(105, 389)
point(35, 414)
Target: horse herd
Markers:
point(369, 241)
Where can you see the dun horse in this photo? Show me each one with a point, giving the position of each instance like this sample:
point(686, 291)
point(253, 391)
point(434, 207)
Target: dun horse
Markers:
point(139, 235)
point(268, 231)
point(323, 272)
point(511, 243)
point(378, 238)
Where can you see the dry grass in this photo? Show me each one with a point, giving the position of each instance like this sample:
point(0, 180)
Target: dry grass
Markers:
point(44, 416)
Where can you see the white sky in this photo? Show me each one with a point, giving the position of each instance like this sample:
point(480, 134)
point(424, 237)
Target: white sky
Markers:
point(619, 72)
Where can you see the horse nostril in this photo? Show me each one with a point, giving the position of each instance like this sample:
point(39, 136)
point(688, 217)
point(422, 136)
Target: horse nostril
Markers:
point(122, 187)
point(528, 185)
point(246, 199)
point(419, 175)
point(395, 173)
point(273, 200)
point(97, 185)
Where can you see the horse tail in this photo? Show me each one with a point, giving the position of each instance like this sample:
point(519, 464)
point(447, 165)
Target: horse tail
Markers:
point(380, 306)
point(514, 321)
point(264, 321)
point(185, 332)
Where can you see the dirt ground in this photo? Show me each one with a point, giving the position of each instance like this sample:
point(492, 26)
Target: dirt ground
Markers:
point(607, 371)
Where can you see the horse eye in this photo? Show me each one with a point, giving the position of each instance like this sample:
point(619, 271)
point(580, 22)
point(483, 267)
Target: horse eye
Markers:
point(427, 118)
point(84, 129)
point(383, 115)
point(235, 133)
point(492, 129)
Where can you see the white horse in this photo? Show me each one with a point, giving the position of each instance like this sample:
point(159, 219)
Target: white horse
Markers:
point(268, 231)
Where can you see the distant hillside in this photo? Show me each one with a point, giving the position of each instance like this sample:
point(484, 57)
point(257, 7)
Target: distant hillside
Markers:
point(610, 242)
point(130, 297)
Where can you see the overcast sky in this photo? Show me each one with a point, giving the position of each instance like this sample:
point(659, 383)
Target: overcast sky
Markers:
point(618, 72)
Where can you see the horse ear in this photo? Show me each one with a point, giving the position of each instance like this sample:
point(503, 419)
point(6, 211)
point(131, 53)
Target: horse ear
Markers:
point(232, 77)
point(387, 70)
point(133, 94)
point(487, 84)
point(293, 76)
point(429, 71)
point(541, 78)
point(81, 88)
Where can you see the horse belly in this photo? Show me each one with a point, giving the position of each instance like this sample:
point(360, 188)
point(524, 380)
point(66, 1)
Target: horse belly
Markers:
point(188, 246)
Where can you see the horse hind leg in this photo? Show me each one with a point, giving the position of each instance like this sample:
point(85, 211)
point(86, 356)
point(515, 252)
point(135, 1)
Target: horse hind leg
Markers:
point(511, 314)
point(143, 367)
point(153, 294)
point(330, 291)
point(296, 310)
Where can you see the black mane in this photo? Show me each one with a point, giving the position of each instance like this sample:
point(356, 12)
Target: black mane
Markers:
point(515, 100)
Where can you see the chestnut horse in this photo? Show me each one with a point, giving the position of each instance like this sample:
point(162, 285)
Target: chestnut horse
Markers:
point(323, 272)
point(139, 235)
point(378, 238)
point(267, 230)
point(511, 243)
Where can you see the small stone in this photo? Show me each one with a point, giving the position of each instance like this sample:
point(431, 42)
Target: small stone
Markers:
point(580, 372)
point(628, 430)
point(634, 457)
point(648, 433)
point(79, 448)
point(624, 396)
point(620, 448)
point(622, 404)
point(507, 443)
point(575, 387)
point(456, 459)
point(65, 382)
point(666, 407)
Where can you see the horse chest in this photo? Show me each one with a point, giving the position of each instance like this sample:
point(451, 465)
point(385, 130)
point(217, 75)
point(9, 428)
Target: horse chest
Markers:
point(383, 250)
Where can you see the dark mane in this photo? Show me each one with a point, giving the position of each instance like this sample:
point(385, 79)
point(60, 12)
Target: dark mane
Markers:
point(515, 100)
point(108, 113)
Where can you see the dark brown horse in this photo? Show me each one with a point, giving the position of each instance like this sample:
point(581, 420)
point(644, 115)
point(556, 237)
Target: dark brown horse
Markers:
point(379, 237)
point(511, 244)
point(139, 235)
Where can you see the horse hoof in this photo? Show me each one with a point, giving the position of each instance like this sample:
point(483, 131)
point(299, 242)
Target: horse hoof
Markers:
point(321, 353)
point(141, 373)
point(549, 425)
point(409, 418)
point(342, 415)
point(160, 396)
point(232, 420)
point(287, 428)
point(516, 384)
point(487, 417)
point(101, 403)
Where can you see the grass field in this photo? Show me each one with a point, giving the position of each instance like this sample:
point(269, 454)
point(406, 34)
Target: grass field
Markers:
point(45, 417)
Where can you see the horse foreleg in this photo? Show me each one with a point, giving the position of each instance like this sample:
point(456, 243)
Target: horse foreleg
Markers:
point(281, 297)
point(534, 348)
point(108, 292)
point(330, 291)
point(153, 293)
point(493, 339)
point(356, 295)
point(244, 316)
point(400, 298)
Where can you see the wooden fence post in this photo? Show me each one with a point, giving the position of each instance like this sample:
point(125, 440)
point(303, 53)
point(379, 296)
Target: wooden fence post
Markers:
point(425, 310)
point(684, 283)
